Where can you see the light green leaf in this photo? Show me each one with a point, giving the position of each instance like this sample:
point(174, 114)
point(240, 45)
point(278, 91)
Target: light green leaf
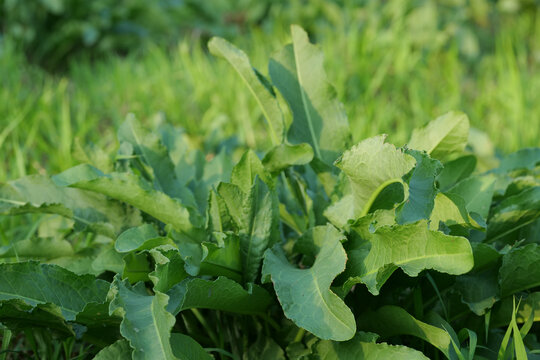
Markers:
point(169, 269)
point(38, 248)
point(39, 194)
point(357, 349)
point(477, 192)
point(116, 351)
point(390, 321)
point(264, 96)
point(220, 294)
point(305, 294)
point(376, 253)
point(370, 166)
point(248, 168)
point(185, 348)
point(255, 215)
point(143, 237)
point(146, 324)
point(520, 269)
point(422, 190)
point(284, 155)
point(513, 213)
point(443, 138)
point(131, 189)
point(36, 283)
point(318, 117)
point(450, 209)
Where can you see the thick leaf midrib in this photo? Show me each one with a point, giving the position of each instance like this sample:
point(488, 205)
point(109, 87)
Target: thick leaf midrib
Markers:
point(304, 101)
point(324, 299)
point(275, 140)
point(162, 346)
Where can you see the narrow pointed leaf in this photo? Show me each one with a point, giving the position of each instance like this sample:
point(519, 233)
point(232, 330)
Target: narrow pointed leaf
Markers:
point(318, 117)
point(305, 294)
point(265, 98)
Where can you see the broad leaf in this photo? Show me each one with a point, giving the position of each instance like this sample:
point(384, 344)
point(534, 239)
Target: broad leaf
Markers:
point(456, 170)
point(305, 294)
point(221, 294)
point(318, 117)
point(139, 238)
point(115, 351)
point(513, 213)
point(264, 95)
point(370, 166)
point(284, 155)
point(477, 192)
point(522, 159)
point(374, 254)
point(422, 190)
point(36, 283)
point(130, 189)
point(442, 138)
point(146, 324)
point(390, 321)
point(520, 269)
point(357, 349)
point(185, 348)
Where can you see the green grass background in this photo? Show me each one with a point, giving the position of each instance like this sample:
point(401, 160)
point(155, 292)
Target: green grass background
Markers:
point(394, 67)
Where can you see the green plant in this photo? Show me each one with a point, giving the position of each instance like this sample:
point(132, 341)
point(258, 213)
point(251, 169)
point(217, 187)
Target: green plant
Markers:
point(313, 250)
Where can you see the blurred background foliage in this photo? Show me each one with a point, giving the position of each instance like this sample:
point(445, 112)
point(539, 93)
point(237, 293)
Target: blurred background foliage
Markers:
point(71, 70)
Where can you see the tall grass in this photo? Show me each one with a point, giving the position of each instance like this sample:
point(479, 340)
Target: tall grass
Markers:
point(393, 67)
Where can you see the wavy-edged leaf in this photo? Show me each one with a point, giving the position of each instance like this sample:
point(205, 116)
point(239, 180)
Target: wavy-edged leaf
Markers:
point(305, 294)
point(255, 215)
point(370, 167)
point(318, 117)
point(284, 155)
point(390, 320)
point(442, 138)
point(356, 348)
point(146, 324)
point(374, 254)
point(36, 283)
point(220, 294)
point(39, 194)
point(131, 189)
point(265, 98)
point(422, 189)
